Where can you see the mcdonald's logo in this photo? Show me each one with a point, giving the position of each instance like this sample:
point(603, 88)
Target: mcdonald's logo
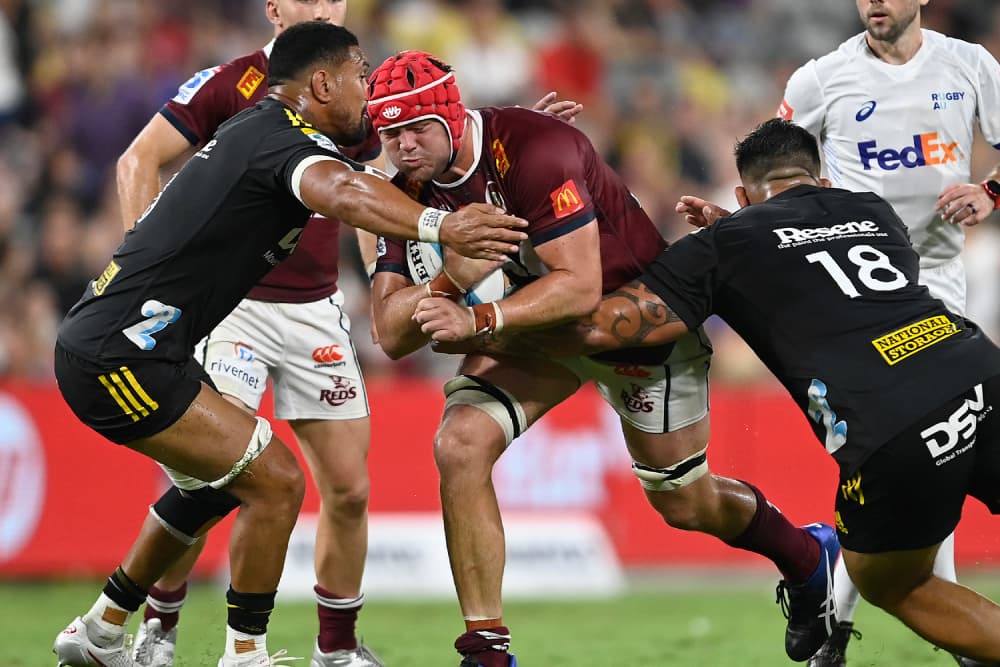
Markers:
point(249, 82)
point(566, 199)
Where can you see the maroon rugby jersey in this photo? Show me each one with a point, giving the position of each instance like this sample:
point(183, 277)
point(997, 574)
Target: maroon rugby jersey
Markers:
point(544, 170)
point(207, 100)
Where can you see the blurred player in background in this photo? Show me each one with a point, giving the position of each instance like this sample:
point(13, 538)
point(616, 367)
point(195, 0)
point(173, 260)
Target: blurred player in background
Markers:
point(902, 391)
point(588, 235)
point(123, 358)
point(293, 328)
point(895, 110)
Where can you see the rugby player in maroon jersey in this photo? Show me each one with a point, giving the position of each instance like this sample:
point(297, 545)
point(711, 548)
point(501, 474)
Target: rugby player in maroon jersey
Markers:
point(588, 235)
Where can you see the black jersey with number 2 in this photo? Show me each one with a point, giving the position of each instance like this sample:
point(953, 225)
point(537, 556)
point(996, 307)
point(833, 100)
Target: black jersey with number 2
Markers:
point(822, 284)
point(226, 219)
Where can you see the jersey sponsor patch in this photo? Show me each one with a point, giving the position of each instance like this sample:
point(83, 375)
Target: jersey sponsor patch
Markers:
point(566, 199)
point(106, 277)
point(321, 139)
point(249, 82)
point(190, 88)
point(785, 110)
point(927, 149)
point(907, 341)
point(500, 158)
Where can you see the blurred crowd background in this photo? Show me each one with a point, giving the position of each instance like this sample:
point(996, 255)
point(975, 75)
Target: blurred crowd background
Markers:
point(667, 87)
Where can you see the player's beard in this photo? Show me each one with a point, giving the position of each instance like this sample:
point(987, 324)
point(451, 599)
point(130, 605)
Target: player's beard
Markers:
point(893, 29)
point(358, 133)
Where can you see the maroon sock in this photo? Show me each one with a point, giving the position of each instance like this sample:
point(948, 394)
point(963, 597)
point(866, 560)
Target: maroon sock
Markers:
point(487, 645)
point(165, 605)
point(793, 550)
point(337, 618)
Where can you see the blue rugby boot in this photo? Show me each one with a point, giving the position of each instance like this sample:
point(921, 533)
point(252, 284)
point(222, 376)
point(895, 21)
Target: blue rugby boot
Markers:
point(809, 606)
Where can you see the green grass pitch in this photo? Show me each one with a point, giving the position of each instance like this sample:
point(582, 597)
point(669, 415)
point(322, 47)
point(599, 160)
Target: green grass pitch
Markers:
point(683, 621)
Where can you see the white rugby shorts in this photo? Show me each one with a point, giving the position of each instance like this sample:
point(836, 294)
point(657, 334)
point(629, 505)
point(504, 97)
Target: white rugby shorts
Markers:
point(655, 399)
point(947, 282)
point(306, 350)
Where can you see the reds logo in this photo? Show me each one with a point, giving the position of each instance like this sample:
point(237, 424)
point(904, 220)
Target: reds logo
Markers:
point(632, 371)
point(329, 355)
point(392, 112)
point(638, 400)
point(566, 199)
point(342, 391)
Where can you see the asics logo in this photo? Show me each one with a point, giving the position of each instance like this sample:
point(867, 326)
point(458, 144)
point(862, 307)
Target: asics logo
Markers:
point(864, 112)
point(927, 149)
point(392, 112)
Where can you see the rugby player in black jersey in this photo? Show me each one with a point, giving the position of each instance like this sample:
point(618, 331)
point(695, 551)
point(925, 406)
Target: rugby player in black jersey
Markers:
point(123, 355)
point(822, 284)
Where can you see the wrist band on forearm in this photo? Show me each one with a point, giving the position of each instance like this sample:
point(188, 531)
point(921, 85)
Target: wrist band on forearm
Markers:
point(443, 283)
point(487, 318)
point(429, 225)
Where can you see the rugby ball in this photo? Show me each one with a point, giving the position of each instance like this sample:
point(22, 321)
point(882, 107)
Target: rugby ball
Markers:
point(425, 260)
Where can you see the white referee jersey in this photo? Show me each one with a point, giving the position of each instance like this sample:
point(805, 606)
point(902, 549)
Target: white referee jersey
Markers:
point(905, 131)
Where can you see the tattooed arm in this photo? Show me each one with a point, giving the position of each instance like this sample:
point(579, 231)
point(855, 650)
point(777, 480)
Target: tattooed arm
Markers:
point(631, 316)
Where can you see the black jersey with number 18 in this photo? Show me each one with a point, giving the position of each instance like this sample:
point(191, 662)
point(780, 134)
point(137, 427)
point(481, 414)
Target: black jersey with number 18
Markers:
point(227, 218)
point(822, 284)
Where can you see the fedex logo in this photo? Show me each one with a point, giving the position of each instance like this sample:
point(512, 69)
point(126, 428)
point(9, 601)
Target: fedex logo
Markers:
point(927, 149)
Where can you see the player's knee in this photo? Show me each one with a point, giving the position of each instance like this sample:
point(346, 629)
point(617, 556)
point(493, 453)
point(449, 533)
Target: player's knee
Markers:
point(348, 500)
point(456, 450)
point(186, 514)
point(678, 491)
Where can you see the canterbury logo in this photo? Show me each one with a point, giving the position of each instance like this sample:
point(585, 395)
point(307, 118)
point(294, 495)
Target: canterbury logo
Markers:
point(128, 394)
point(328, 354)
point(392, 112)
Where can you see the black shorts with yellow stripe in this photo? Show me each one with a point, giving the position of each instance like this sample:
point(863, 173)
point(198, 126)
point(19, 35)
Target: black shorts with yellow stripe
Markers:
point(126, 401)
point(909, 493)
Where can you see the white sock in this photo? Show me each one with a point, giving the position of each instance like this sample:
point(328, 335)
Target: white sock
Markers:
point(845, 593)
point(106, 621)
point(944, 562)
point(240, 643)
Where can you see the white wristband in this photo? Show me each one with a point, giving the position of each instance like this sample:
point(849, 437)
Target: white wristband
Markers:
point(429, 225)
point(499, 318)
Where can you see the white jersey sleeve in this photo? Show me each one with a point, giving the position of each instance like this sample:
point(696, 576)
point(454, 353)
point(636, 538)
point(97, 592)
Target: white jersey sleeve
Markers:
point(989, 96)
point(804, 101)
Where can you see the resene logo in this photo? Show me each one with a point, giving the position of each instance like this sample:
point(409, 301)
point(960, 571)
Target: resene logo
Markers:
point(927, 149)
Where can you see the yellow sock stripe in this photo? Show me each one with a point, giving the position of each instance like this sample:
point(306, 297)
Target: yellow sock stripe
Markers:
point(153, 405)
point(118, 399)
point(128, 395)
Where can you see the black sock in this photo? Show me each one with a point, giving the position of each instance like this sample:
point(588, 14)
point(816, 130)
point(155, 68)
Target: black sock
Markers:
point(125, 592)
point(249, 612)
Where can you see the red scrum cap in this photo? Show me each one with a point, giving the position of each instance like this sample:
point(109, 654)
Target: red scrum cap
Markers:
point(412, 86)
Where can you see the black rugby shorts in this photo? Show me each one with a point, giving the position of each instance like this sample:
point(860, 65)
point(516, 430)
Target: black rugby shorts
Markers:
point(128, 400)
point(909, 493)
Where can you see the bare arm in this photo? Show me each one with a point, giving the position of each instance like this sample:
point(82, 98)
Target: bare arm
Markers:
point(570, 290)
point(138, 169)
point(362, 200)
point(394, 298)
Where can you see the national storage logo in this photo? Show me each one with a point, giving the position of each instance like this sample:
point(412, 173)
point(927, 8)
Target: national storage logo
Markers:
point(907, 341)
point(927, 149)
